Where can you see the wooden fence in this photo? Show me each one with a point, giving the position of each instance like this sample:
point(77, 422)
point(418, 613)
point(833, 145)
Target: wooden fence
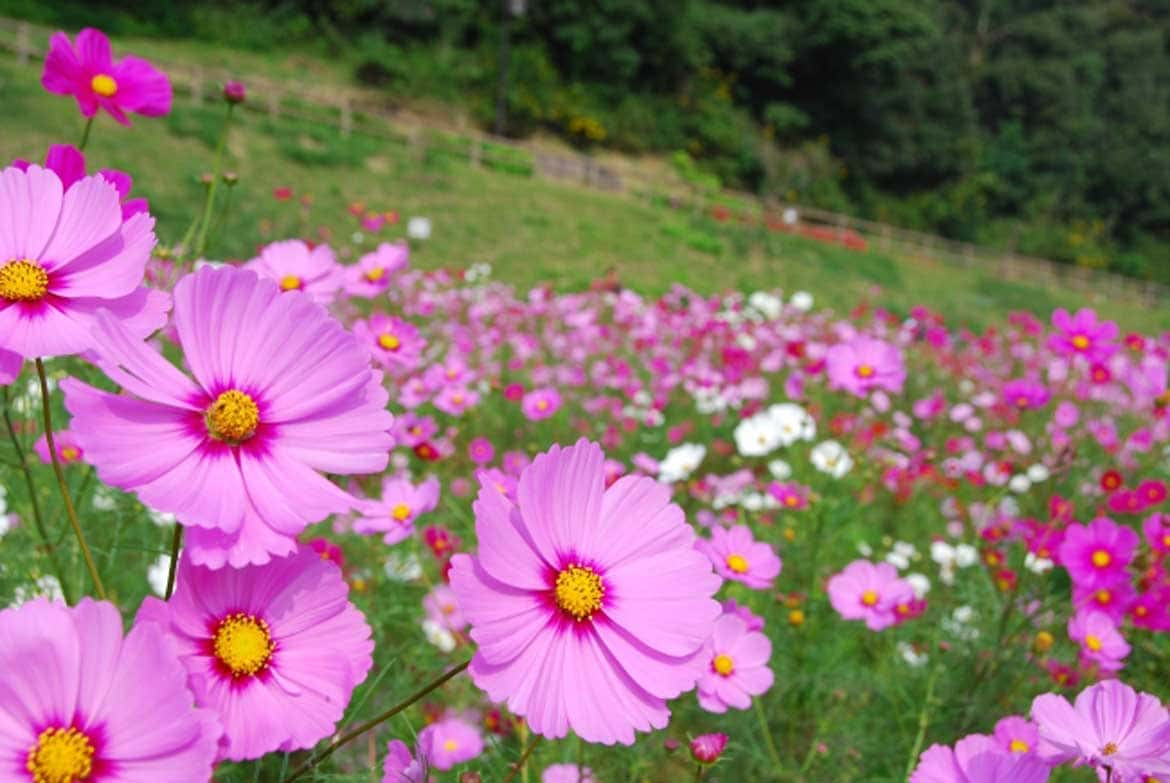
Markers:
point(368, 112)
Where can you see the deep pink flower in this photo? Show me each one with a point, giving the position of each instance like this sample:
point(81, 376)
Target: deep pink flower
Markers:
point(294, 266)
point(793, 497)
point(590, 605)
point(1024, 393)
point(541, 403)
point(1156, 528)
point(281, 391)
point(481, 451)
point(402, 502)
point(1113, 600)
point(863, 364)
point(69, 451)
point(393, 343)
point(400, 766)
point(449, 742)
point(736, 666)
point(1098, 553)
point(68, 163)
point(81, 703)
point(65, 254)
point(736, 555)
point(234, 91)
point(753, 620)
point(1083, 335)
point(327, 550)
point(864, 591)
point(1109, 725)
point(10, 364)
point(1100, 640)
point(275, 650)
point(373, 272)
point(90, 74)
point(707, 748)
point(977, 759)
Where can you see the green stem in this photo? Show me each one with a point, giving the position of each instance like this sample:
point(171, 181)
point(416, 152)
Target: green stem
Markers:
point(698, 773)
point(763, 719)
point(176, 542)
point(205, 224)
point(523, 759)
point(923, 721)
point(85, 134)
point(317, 758)
point(70, 511)
point(38, 520)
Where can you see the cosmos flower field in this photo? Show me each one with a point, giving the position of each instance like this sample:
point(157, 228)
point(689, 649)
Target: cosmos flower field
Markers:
point(318, 515)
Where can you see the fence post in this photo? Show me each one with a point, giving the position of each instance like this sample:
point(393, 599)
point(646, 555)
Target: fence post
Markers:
point(346, 116)
point(23, 43)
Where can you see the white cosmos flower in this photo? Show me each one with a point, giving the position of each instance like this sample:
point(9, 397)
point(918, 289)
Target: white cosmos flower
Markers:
point(680, 462)
point(779, 469)
point(766, 304)
point(46, 586)
point(1019, 484)
point(438, 635)
point(830, 457)
point(403, 566)
point(912, 656)
point(1037, 565)
point(757, 435)
point(802, 301)
point(1037, 473)
point(418, 228)
point(793, 421)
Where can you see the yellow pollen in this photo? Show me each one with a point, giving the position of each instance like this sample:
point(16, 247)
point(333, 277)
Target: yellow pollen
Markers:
point(104, 85)
point(375, 274)
point(796, 618)
point(457, 398)
point(1104, 597)
point(1140, 610)
point(864, 371)
point(61, 756)
point(233, 417)
point(1022, 401)
point(869, 598)
point(389, 341)
point(1092, 642)
point(22, 280)
point(791, 500)
point(1109, 749)
point(542, 405)
point(450, 745)
point(737, 563)
point(400, 511)
point(243, 644)
point(290, 283)
point(723, 665)
point(1101, 558)
point(1166, 540)
point(1080, 342)
point(1019, 746)
point(578, 592)
point(69, 454)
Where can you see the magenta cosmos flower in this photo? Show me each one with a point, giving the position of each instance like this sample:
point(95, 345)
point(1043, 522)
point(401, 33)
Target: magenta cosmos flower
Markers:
point(1109, 726)
point(393, 343)
point(275, 650)
point(863, 364)
point(68, 163)
point(1083, 335)
point(281, 391)
point(590, 605)
point(449, 742)
point(567, 773)
point(10, 364)
point(707, 748)
point(69, 451)
point(1101, 642)
point(864, 591)
point(81, 704)
point(736, 666)
point(402, 502)
point(978, 759)
point(372, 274)
point(90, 74)
point(540, 403)
point(65, 254)
point(1024, 393)
point(1097, 554)
point(400, 766)
point(739, 557)
point(294, 266)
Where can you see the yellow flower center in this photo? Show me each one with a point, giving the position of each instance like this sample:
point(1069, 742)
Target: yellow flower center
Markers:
point(1021, 401)
point(864, 371)
point(1019, 746)
point(1140, 610)
point(61, 756)
point(1101, 558)
point(1104, 597)
point(450, 745)
point(869, 598)
point(1166, 540)
point(1092, 642)
point(389, 341)
point(69, 454)
point(290, 283)
point(791, 500)
point(723, 665)
point(542, 405)
point(233, 417)
point(104, 85)
point(579, 591)
point(22, 280)
point(1080, 342)
point(375, 274)
point(243, 644)
point(400, 512)
point(796, 618)
point(737, 563)
point(1109, 749)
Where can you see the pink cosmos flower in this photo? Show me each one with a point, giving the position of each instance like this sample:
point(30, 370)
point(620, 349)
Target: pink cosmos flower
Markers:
point(1098, 553)
point(736, 555)
point(68, 449)
point(864, 591)
point(372, 274)
point(1083, 335)
point(977, 759)
point(10, 364)
point(863, 364)
point(327, 550)
point(1110, 725)
point(400, 766)
point(1156, 529)
point(753, 620)
point(275, 650)
point(402, 502)
point(449, 742)
point(737, 666)
point(281, 391)
point(442, 607)
point(793, 497)
point(1016, 734)
point(1101, 642)
point(81, 703)
point(567, 773)
point(294, 266)
point(393, 343)
point(90, 74)
point(541, 403)
point(707, 748)
point(589, 604)
point(65, 254)
point(68, 163)
point(455, 400)
point(1025, 394)
point(481, 451)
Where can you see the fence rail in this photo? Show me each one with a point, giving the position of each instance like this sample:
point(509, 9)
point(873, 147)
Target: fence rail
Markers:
point(344, 107)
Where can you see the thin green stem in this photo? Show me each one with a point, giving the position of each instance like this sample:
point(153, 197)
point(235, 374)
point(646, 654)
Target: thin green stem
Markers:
point(205, 224)
point(923, 721)
point(523, 759)
point(176, 542)
point(768, 742)
point(70, 511)
point(38, 519)
point(362, 728)
point(698, 772)
point(85, 133)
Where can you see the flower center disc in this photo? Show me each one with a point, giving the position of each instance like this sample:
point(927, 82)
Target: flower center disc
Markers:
point(61, 756)
point(869, 598)
point(737, 563)
point(104, 85)
point(1080, 342)
point(389, 341)
point(1101, 558)
point(22, 280)
point(290, 283)
point(723, 665)
point(579, 592)
point(1019, 746)
point(864, 371)
point(400, 512)
point(375, 274)
point(243, 644)
point(233, 417)
point(1093, 643)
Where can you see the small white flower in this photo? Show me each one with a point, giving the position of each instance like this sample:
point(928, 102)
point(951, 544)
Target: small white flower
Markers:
point(104, 498)
point(1019, 484)
point(46, 586)
point(793, 421)
point(964, 615)
point(766, 304)
point(865, 549)
point(680, 462)
point(1037, 565)
point(966, 555)
point(438, 636)
point(779, 469)
point(1037, 473)
point(920, 583)
point(830, 457)
point(418, 228)
point(911, 656)
point(403, 566)
point(802, 301)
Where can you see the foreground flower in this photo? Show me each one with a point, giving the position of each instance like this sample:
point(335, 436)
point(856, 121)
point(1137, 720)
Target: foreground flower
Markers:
point(978, 759)
point(739, 557)
point(707, 748)
point(863, 364)
point(90, 74)
point(736, 666)
point(1083, 335)
point(567, 773)
point(400, 766)
point(80, 703)
point(589, 605)
point(1097, 554)
point(281, 391)
point(1109, 726)
point(294, 266)
point(65, 254)
point(274, 650)
point(68, 163)
point(864, 591)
